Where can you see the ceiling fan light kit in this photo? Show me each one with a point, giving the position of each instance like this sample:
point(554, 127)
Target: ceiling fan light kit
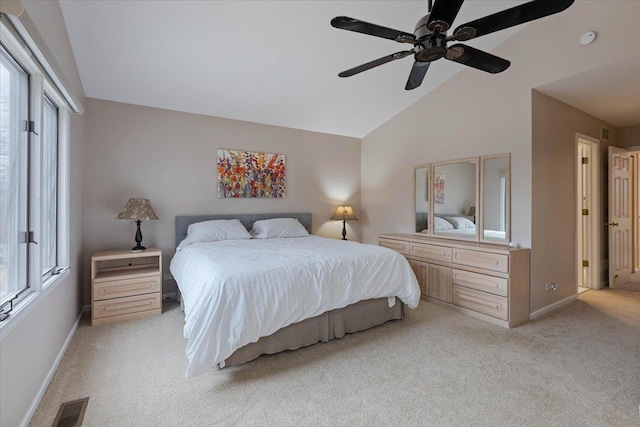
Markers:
point(430, 38)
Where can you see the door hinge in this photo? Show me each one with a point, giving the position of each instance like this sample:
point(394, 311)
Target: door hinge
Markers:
point(585, 211)
point(585, 263)
point(585, 160)
point(30, 126)
point(26, 237)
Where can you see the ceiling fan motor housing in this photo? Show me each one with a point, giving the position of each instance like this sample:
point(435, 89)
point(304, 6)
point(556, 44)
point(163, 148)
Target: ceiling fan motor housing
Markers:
point(430, 45)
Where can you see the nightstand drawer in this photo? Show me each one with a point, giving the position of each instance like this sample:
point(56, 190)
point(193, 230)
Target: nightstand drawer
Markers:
point(396, 245)
point(481, 282)
point(125, 288)
point(126, 305)
point(487, 260)
point(431, 252)
point(482, 302)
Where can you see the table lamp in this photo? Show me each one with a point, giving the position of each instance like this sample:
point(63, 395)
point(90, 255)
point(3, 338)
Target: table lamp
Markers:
point(138, 210)
point(344, 213)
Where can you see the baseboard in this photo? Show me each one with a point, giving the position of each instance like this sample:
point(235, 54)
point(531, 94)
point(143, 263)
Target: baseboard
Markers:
point(556, 305)
point(52, 371)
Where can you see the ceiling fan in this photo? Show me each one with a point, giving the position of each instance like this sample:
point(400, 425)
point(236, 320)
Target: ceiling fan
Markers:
point(430, 38)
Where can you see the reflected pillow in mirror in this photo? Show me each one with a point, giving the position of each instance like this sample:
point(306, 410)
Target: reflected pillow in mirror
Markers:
point(460, 222)
point(441, 224)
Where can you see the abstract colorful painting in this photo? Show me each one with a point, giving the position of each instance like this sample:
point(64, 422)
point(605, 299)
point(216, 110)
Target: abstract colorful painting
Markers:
point(250, 174)
point(438, 188)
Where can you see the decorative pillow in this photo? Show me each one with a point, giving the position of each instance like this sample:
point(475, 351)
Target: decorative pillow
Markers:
point(441, 224)
point(278, 227)
point(214, 231)
point(460, 222)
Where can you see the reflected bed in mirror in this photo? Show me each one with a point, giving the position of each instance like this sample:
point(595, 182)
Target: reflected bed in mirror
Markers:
point(454, 193)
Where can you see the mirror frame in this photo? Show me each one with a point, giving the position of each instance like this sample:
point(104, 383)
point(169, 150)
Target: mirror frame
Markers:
point(479, 196)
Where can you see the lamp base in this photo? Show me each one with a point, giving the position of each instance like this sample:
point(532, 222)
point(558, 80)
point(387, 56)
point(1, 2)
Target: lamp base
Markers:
point(138, 246)
point(344, 229)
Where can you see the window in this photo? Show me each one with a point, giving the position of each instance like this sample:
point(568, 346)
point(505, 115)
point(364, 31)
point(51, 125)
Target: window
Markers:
point(49, 229)
point(14, 101)
point(34, 122)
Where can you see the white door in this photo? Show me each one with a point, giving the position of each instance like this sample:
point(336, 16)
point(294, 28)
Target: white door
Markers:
point(587, 215)
point(620, 208)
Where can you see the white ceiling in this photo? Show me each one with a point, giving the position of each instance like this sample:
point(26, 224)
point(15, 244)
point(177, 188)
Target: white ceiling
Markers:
point(611, 93)
point(272, 62)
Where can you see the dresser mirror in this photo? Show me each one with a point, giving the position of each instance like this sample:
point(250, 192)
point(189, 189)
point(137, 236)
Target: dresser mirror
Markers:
point(464, 199)
point(422, 199)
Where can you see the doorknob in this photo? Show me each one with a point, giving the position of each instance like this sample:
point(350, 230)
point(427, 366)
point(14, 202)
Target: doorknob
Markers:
point(614, 224)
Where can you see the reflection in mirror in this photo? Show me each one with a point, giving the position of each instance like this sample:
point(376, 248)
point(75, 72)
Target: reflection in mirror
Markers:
point(422, 199)
point(495, 183)
point(454, 200)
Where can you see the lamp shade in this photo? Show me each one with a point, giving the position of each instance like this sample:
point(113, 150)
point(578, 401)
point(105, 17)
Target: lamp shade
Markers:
point(472, 211)
point(344, 212)
point(138, 209)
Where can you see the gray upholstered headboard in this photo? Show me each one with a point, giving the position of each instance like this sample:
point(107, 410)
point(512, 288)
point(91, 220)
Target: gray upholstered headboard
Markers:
point(183, 221)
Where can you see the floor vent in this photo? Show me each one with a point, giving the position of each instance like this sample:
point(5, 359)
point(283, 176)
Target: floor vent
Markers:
point(71, 413)
point(604, 133)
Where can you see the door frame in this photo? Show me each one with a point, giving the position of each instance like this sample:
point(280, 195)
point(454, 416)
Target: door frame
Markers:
point(594, 278)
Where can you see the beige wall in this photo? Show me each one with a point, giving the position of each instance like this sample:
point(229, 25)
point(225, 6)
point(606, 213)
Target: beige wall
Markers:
point(170, 158)
point(475, 113)
point(28, 352)
point(629, 136)
point(553, 254)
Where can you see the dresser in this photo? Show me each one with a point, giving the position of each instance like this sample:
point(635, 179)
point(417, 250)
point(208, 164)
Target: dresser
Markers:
point(125, 285)
point(489, 282)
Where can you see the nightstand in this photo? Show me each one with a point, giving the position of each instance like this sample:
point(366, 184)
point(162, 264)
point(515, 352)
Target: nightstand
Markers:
point(125, 285)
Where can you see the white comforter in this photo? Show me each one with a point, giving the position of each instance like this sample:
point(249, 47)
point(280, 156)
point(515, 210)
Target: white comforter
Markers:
point(237, 291)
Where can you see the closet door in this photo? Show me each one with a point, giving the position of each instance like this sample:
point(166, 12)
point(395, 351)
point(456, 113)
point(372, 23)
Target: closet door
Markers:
point(620, 208)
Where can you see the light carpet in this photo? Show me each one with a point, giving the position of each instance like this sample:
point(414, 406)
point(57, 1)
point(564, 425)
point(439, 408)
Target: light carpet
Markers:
point(579, 366)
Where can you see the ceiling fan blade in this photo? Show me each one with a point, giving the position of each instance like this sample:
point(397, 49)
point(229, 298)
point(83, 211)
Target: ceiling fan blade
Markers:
point(418, 71)
point(376, 62)
point(510, 17)
point(475, 58)
point(351, 24)
point(443, 14)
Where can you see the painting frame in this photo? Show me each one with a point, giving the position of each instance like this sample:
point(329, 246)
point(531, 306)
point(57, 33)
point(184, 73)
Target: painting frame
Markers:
point(250, 174)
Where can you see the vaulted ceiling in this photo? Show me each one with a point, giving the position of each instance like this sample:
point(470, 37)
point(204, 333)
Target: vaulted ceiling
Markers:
point(271, 62)
point(277, 62)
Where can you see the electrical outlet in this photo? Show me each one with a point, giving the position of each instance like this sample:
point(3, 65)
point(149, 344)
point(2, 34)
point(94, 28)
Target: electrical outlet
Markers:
point(167, 276)
point(169, 297)
point(551, 286)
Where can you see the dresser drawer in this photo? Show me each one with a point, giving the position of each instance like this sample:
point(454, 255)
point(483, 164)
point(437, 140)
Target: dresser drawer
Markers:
point(481, 282)
point(488, 261)
point(125, 288)
point(482, 302)
point(126, 305)
point(430, 252)
point(396, 245)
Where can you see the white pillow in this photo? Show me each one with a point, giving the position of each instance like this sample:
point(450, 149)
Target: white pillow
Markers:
point(214, 231)
point(278, 227)
point(441, 224)
point(460, 222)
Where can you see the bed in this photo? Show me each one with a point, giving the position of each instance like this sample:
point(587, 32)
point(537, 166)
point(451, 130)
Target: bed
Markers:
point(247, 297)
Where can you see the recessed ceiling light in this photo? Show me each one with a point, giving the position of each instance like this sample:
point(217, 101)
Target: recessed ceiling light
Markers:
point(588, 37)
